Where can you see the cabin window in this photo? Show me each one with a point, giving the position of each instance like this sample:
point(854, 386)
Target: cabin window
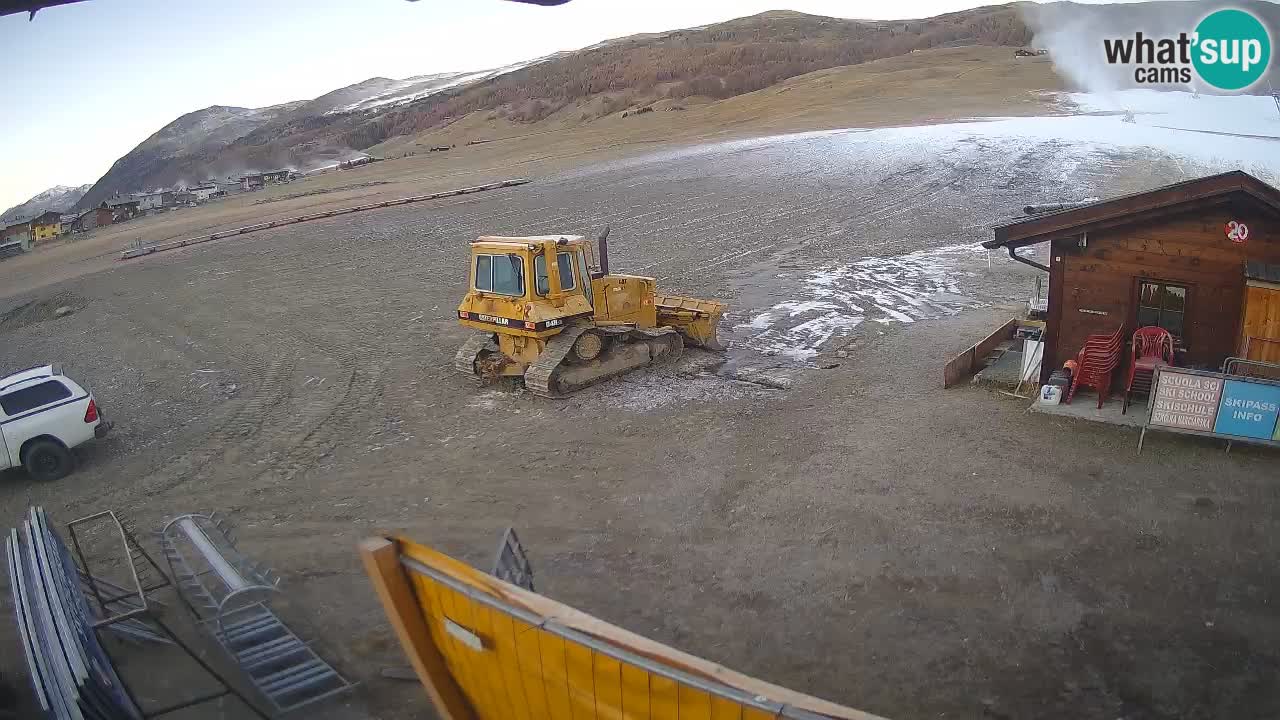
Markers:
point(500, 274)
point(542, 283)
point(1162, 304)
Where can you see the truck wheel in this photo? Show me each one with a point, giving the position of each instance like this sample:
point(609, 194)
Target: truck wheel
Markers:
point(47, 460)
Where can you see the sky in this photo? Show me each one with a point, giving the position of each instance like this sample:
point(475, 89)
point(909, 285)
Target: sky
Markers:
point(85, 83)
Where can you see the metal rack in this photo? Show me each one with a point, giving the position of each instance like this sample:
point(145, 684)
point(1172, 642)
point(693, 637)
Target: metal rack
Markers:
point(72, 674)
point(227, 593)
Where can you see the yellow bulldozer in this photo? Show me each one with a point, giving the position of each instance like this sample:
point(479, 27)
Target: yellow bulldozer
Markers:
point(548, 312)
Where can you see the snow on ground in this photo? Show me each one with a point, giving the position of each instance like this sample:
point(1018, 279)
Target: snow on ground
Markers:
point(836, 299)
point(833, 300)
point(1242, 114)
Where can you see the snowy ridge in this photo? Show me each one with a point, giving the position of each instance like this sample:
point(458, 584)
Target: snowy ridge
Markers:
point(421, 86)
point(58, 197)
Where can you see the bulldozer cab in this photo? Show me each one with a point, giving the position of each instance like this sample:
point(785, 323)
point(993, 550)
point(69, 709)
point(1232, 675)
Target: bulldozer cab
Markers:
point(500, 266)
point(527, 285)
point(571, 267)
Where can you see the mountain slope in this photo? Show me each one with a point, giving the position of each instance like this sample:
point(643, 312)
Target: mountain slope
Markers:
point(712, 63)
point(716, 61)
point(184, 151)
point(59, 197)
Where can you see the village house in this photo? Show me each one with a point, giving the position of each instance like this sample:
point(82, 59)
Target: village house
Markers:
point(203, 192)
point(124, 208)
point(16, 234)
point(1200, 259)
point(158, 200)
point(10, 248)
point(275, 176)
point(229, 187)
point(46, 226)
point(94, 217)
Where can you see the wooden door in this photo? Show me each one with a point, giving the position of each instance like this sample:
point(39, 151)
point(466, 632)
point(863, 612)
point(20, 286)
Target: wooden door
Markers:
point(1260, 331)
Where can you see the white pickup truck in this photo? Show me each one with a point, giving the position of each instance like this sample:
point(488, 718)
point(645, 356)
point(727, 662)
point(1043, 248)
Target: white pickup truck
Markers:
point(43, 414)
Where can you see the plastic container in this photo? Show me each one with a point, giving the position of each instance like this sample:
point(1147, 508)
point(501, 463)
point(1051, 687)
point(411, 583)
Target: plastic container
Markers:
point(1050, 395)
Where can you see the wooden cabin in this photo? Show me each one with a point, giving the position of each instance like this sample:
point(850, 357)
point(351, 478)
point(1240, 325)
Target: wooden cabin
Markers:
point(1199, 258)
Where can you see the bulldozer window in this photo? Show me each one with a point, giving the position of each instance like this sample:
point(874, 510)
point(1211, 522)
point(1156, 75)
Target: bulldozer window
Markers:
point(542, 283)
point(565, 261)
point(500, 274)
point(585, 274)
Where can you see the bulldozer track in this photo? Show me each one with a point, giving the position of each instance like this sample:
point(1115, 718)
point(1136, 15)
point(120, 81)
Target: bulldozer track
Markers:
point(465, 361)
point(538, 377)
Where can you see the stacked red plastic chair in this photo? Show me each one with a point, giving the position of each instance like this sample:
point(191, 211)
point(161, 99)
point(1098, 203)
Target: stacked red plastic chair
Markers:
point(1095, 364)
point(1152, 347)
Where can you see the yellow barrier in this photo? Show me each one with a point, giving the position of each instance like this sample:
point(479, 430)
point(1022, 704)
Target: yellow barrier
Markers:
point(485, 649)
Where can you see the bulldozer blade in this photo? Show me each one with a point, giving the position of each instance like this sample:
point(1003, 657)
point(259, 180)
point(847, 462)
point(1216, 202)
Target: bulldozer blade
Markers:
point(710, 342)
point(696, 319)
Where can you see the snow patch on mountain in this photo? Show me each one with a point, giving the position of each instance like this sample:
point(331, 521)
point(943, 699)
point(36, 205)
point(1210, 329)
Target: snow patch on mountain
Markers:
point(405, 91)
point(59, 197)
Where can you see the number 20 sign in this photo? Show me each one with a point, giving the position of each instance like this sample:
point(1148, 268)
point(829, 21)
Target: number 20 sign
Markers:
point(1237, 232)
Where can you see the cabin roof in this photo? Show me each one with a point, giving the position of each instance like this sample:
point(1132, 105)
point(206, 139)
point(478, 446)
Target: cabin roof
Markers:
point(525, 240)
point(1135, 208)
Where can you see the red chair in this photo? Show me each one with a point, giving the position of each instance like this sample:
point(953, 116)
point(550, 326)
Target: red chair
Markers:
point(1152, 348)
point(1095, 364)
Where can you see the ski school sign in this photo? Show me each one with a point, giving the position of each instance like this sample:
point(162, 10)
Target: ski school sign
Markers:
point(1230, 407)
point(1228, 50)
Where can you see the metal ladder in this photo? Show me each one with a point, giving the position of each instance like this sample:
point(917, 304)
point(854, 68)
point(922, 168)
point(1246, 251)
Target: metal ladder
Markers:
point(228, 595)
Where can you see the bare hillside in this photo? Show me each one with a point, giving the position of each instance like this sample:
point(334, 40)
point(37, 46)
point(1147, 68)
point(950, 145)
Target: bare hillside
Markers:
point(688, 67)
point(716, 61)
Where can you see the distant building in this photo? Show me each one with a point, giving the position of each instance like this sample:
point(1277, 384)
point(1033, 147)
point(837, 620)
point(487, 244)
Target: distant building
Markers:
point(124, 208)
point(275, 176)
point(94, 217)
point(155, 200)
point(183, 197)
point(17, 232)
point(251, 182)
point(11, 248)
point(46, 226)
point(204, 192)
point(67, 223)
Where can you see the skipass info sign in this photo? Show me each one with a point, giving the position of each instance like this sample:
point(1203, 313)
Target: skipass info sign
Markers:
point(1215, 404)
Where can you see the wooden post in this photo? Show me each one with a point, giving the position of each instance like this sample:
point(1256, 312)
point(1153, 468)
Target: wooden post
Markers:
point(382, 563)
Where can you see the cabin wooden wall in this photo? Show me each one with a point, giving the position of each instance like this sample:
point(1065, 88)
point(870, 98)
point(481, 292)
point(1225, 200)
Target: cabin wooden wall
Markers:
point(1190, 249)
point(1261, 323)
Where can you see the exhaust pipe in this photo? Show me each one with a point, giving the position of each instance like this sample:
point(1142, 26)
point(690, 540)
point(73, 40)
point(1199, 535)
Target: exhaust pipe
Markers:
point(603, 242)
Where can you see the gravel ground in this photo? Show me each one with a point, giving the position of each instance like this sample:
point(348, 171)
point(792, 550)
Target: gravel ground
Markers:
point(862, 536)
